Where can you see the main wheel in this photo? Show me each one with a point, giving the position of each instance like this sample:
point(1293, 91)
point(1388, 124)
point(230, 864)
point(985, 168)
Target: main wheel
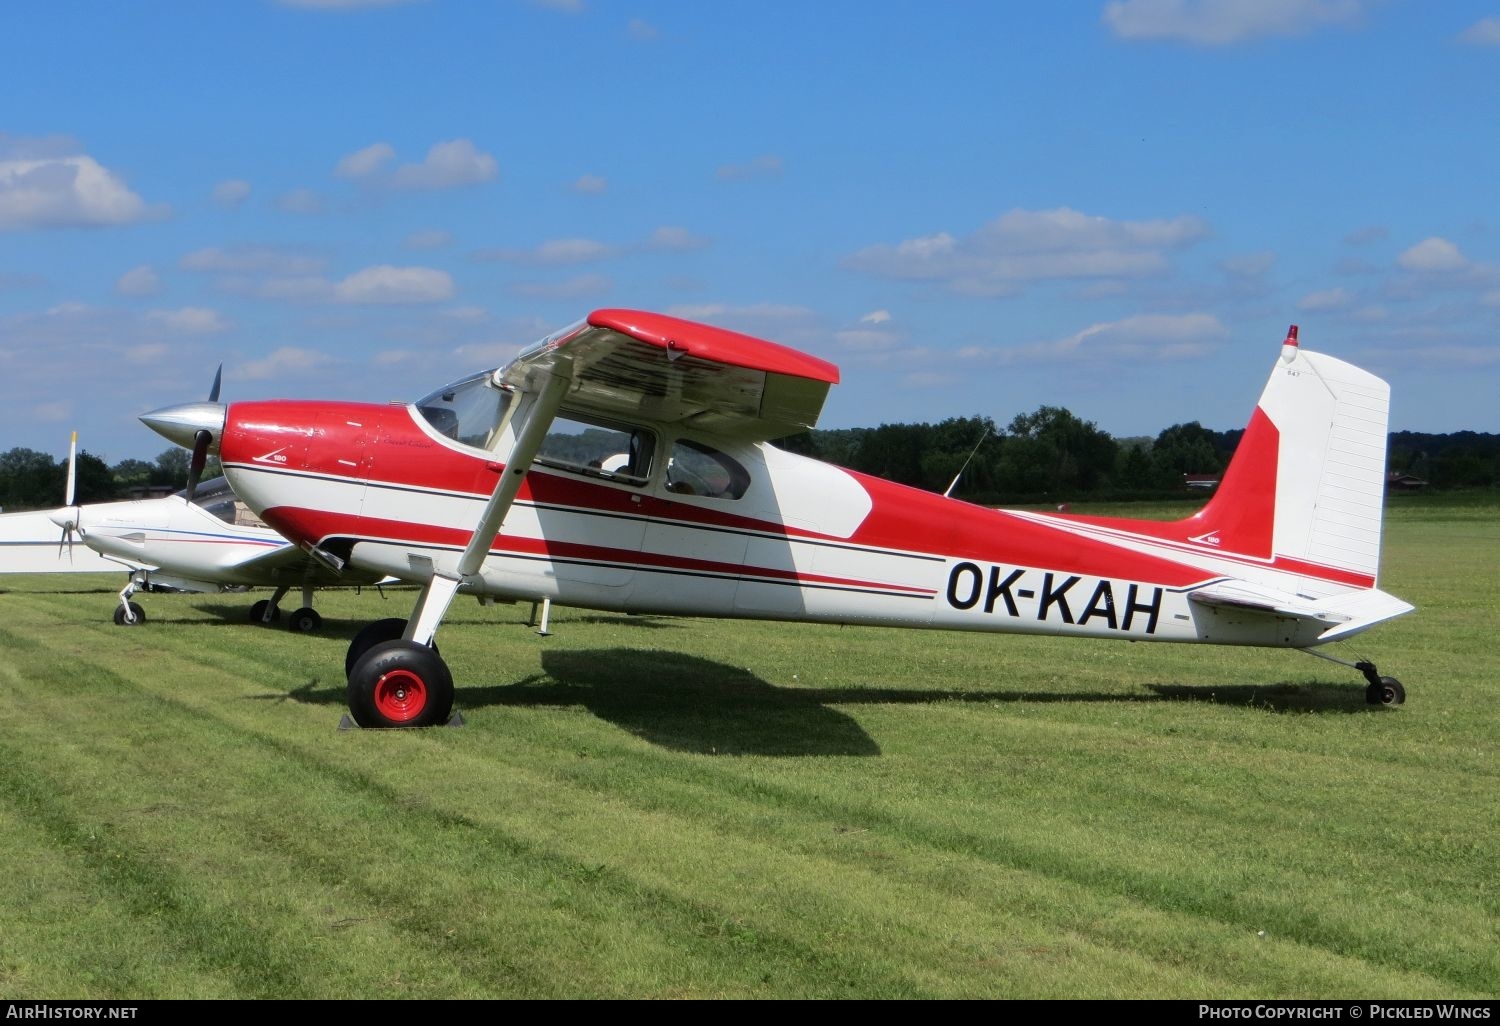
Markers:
point(370, 635)
point(400, 684)
point(304, 621)
point(258, 612)
point(1388, 692)
point(136, 617)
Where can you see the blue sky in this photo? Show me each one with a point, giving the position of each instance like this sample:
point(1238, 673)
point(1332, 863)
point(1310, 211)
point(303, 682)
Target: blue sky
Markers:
point(971, 208)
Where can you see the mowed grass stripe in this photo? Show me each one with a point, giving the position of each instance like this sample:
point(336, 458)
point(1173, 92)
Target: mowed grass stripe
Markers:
point(1113, 861)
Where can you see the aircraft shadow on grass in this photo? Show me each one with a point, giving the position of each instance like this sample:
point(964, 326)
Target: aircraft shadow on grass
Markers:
point(687, 703)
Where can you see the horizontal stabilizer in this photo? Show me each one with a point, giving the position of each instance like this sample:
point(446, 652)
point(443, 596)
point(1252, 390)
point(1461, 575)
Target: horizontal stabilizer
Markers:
point(1244, 595)
point(1344, 615)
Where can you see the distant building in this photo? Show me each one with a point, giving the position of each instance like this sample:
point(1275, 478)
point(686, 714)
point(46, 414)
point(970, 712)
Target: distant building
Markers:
point(1201, 482)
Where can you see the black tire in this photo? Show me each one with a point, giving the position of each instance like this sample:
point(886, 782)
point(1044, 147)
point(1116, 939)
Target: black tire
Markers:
point(370, 635)
point(1388, 692)
point(400, 684)
point(304, 621)
point(258, 612)
point(136, 611)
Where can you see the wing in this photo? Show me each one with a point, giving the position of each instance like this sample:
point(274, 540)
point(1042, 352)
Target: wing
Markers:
point(630, 364)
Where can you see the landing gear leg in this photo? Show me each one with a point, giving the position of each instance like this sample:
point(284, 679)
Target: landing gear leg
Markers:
point(403, 682)
point(305, 620)
point(268, 612)
point(128, 613)
point(1379, 690)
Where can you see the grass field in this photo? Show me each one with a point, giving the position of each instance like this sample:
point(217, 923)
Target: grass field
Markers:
point(642, 807)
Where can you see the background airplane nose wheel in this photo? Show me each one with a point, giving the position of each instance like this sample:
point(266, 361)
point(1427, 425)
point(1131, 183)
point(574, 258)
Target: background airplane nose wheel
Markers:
point(305, 621)
point(400, 684)
point(1387, 691)
point(134, 618)
point(258, 612)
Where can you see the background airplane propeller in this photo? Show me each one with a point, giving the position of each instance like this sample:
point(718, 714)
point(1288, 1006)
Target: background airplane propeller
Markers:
point(71, 523)
point(202, 439)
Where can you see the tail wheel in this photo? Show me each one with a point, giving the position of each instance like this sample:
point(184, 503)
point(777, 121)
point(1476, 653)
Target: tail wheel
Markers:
point(134, 618)
point(304, 621)
point(372, 634)
point(258, 612)
point(400, 684)
point(1386, 691)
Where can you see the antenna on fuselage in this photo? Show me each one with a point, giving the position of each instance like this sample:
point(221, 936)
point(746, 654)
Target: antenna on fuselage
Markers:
point(954, 482)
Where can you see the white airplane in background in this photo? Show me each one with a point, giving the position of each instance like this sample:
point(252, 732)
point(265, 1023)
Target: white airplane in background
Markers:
point(29, 542)
point(198, 540)
point(203, 540)
point(472, 489)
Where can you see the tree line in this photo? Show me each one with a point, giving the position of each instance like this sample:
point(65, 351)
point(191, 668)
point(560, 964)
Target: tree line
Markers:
point(1046, 456)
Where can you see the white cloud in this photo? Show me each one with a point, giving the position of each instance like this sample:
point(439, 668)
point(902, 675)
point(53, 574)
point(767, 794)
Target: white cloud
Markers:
point(766, 166)
point(300, 201)
point(1249, 265)
point(580, 287)
point(641, 30)
point(1484, 32)
point(1434, 255)
point(448, 164)
point(589, 185)
point(1367, 235)
point(432, 238)
point(876, 317)
point(1223, 22)
point(139, 281)
point(251, 260)
point(867, 340)
point(190, 320)
point(1027, 245)
point(1155, 337)
point(385, 284)
point(286, 360)
point(365, 162)
point(70, 191)
point(145, 355)
point(551, 253)
point(231, 192)
point(679, 240)
point(1328, 299)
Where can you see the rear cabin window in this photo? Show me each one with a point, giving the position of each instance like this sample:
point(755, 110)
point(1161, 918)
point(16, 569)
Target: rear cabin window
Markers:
point(698, 469)
point(593, 449)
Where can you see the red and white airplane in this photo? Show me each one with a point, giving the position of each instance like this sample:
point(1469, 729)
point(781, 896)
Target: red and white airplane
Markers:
point(497, 486)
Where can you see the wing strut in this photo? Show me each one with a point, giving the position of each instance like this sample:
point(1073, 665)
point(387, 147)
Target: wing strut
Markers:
point(437, 593)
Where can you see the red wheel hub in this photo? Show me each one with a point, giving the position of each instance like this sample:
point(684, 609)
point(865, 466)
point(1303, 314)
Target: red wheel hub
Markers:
point(400, 695)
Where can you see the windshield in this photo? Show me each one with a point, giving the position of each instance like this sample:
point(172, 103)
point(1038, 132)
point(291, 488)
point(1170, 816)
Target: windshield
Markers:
point(469, 411)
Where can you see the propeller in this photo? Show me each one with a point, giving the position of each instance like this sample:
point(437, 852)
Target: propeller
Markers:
point(70, 518)
point(202, 439)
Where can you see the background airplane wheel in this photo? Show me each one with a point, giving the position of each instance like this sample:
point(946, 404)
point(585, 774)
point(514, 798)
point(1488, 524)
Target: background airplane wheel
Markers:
point(1388, 692)
point(304, 621)
point(258, 612)
point(400, 684)
point(136, 612)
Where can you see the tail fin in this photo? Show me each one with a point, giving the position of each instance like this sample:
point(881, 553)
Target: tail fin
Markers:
point(1306, 486)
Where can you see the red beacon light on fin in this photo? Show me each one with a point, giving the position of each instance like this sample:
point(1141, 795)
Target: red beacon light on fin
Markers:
point(1289, 347)
point(1291, 336)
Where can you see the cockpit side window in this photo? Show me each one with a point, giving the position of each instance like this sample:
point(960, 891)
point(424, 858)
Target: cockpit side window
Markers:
point(470, 411)
point(614, 452)
point(699, 469)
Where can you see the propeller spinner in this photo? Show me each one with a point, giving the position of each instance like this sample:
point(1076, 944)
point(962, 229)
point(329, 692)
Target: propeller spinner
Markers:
point(195, 426)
